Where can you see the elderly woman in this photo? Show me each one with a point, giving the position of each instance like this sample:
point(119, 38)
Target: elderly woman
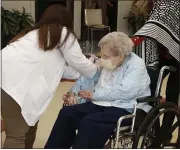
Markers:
point(110, 95)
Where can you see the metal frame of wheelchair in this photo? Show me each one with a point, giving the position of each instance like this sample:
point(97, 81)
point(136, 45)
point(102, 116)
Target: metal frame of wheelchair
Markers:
point(127, 137)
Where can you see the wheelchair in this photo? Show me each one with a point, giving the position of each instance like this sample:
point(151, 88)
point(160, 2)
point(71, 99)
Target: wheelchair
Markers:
point(145, 130)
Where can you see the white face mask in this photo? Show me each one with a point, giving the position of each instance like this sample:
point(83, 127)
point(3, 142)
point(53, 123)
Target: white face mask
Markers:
point(107, 64)
point(111, 63)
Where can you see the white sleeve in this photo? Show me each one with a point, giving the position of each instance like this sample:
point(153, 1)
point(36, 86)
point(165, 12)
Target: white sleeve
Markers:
point(70, 73)
point(74, 57)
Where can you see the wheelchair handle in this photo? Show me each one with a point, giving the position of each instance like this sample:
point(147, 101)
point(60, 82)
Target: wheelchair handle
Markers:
point(159, 83)
point(172, 69)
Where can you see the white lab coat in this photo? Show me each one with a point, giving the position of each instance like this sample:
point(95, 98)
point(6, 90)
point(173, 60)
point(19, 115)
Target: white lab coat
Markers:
point(31, 76)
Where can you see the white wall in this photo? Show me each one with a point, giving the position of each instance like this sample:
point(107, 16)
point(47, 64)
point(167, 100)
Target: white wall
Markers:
point(77, 17)
point(124, 7)
point(29, 6)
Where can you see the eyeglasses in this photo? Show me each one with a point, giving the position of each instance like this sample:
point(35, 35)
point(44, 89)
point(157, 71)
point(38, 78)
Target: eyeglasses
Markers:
point(104, 56)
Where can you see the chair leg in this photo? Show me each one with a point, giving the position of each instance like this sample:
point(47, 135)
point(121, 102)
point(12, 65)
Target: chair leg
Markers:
point(92, 42)
point(2, 126)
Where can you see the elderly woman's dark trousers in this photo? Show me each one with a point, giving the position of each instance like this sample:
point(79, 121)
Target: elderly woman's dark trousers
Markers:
point(94, 123)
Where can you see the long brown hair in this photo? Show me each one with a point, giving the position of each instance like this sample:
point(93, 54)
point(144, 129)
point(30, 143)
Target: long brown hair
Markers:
point(50, 26)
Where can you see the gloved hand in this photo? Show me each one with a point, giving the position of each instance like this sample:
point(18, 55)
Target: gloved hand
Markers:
point(93, 58)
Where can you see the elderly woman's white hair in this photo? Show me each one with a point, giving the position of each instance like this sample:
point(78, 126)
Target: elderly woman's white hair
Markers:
point(118, 43)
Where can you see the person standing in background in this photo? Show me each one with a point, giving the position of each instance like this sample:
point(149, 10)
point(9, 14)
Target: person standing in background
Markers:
point(112, 14)
point(163, 27)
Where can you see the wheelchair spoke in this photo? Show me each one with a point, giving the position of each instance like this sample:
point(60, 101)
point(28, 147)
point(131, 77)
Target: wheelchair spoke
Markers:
point(126, 141)
point(160, 140)
point(171, 130)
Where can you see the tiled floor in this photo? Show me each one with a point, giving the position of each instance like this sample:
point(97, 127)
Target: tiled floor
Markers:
point(49, 117)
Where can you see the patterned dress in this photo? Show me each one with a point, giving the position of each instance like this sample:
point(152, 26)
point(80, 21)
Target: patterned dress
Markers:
point(162, 27)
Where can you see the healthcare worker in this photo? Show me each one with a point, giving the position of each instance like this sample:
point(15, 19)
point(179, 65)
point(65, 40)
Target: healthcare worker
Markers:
point(32, 67)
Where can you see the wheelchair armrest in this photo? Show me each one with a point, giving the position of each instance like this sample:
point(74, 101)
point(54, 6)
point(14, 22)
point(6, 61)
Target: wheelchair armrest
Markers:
point(148, 99)
point(126, 117)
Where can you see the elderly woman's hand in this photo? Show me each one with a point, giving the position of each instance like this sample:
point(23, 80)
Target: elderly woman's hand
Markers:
point(86, 94)
point(69, 99)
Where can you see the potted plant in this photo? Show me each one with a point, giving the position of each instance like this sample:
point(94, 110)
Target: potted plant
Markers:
point(139, 13)
point(135, 22)
point(12, 22)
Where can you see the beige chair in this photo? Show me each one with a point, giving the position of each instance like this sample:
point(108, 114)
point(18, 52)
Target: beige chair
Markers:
point(93, 22)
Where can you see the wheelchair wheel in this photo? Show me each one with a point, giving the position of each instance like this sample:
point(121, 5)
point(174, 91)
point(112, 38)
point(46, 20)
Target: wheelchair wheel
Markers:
point(151, 134)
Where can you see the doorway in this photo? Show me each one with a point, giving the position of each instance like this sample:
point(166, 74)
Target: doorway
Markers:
point(111, 12)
